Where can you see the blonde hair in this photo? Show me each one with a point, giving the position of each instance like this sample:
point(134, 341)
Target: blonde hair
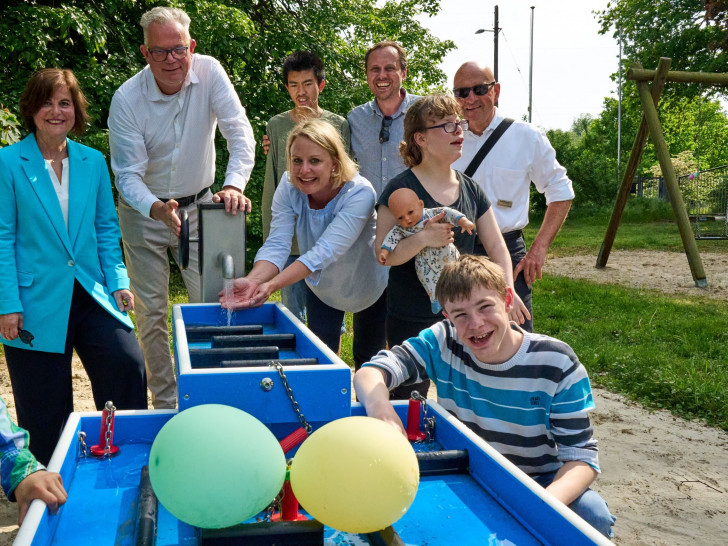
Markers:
point(420, 115)
point(459, 278)
point(324, 134)
point(162, 15)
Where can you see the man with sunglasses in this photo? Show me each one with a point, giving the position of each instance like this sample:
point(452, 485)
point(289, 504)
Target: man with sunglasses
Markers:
point(521, 154)
point(162, 125)
point(377, 127)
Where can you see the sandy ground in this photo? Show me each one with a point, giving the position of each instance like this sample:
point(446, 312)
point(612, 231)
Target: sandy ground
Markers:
point(667, 272)
point(664, 478)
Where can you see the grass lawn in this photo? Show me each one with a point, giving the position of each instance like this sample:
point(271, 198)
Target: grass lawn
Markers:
point(663, 351)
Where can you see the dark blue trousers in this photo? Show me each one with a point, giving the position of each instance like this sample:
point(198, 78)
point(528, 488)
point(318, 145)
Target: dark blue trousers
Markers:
point(325, 322)
point(42, 382)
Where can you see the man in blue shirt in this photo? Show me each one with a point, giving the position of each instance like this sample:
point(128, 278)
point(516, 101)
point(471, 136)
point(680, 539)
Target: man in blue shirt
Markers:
point(377, 127)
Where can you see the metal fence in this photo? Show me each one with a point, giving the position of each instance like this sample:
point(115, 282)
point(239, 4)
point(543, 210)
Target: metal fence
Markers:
point(650, 188)
point(705, 194)
point(706, 199)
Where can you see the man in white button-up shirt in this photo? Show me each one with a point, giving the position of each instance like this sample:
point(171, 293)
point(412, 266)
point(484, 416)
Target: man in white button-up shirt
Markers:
point(521, 156)
point(162, 125)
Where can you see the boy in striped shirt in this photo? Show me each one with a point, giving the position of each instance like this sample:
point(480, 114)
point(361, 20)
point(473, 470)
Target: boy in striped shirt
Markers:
point(525, 394)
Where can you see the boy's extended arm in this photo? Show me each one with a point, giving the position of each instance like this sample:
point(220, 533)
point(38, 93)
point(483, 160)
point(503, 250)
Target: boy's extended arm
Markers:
point(371, 390)
point(571, 480)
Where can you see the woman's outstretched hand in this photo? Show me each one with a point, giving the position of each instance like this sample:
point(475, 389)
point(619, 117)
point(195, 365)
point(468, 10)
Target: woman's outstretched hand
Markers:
point(245, 294)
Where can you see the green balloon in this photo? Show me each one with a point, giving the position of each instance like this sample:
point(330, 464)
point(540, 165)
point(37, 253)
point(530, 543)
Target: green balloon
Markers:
point(214, 466)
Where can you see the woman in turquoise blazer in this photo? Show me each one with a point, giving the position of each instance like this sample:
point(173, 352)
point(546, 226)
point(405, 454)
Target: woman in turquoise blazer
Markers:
point(62, 278)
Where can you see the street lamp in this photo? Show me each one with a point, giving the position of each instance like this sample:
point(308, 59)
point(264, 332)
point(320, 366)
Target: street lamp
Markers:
point(495, 31)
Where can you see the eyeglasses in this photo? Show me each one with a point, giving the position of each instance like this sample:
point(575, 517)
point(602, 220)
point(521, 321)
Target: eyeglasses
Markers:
point(26, 337)
point(480, 90)
point(160, 55)
point(384, 131)
point(451, 126)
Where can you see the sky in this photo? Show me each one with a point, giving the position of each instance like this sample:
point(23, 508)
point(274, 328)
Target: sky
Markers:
point(572, 62)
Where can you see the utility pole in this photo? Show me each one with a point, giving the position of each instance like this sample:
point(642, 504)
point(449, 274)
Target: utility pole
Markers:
point(495, 43)
point(495, 30)
point(619, 109)
point(530, 73)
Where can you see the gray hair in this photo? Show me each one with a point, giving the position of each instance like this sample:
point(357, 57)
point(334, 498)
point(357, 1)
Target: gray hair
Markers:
point(162, 15)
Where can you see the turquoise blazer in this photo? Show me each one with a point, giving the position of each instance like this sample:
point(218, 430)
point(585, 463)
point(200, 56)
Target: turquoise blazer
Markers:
point(40, 258)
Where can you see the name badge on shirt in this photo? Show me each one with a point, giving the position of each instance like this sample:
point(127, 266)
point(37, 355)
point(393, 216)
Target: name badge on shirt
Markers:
point(503, 203)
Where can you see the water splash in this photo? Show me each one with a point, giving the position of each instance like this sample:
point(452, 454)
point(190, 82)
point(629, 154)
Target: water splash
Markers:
point(228, 297)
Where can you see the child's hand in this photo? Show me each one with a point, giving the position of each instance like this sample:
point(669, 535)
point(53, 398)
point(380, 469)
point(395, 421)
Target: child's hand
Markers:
point(466, 225)
point(385, 412)
point(383, 256)
point(43, 485)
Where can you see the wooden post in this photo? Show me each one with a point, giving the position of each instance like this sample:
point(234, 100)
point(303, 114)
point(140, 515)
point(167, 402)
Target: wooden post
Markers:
point(668, 172)
point(709, 78)
point(634, 160)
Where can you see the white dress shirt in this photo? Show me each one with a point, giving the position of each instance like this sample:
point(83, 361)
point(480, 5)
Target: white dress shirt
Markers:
point(521, 156)
point(162, 146)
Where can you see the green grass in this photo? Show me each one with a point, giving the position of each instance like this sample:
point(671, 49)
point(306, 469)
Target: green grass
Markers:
point(662, 351)
point(585, 236)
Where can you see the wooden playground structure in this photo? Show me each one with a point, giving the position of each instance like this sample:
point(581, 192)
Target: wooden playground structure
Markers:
point(649, 98)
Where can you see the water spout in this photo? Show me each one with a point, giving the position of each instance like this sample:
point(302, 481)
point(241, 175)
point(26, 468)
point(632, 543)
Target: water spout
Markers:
point(228, 266)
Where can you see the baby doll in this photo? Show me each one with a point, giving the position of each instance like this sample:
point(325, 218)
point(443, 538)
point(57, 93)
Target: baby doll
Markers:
point(411, 215)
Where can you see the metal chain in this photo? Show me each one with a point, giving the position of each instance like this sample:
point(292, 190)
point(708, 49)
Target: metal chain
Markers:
point(277, 365)
point(268, 514)
point(82, 443)
point(109, 420)
point(277, 503)
point(428, 422)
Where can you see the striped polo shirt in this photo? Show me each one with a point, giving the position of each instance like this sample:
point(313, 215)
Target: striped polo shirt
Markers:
point(532, 408)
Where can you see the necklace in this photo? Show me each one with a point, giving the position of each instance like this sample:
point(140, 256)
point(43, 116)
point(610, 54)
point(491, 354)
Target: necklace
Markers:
point(53, 158)
point(53, 152)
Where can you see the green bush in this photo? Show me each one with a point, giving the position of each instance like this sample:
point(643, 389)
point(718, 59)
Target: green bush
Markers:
point(9, 127)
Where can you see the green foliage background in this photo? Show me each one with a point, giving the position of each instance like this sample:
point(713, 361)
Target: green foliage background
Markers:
point(99, 40)
point(692, 119)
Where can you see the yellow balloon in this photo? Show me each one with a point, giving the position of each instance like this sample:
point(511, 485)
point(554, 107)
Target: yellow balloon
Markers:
point(356, 474)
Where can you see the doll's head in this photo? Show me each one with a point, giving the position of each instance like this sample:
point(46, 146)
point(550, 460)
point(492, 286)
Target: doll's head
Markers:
point(406, 207)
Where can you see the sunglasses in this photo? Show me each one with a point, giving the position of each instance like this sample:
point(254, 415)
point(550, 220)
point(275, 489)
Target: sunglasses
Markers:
point(384, 131)
point(26, 337)
point(480, 90)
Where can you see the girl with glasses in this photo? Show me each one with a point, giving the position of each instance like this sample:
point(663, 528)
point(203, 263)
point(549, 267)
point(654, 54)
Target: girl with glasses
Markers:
point(433, 139)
